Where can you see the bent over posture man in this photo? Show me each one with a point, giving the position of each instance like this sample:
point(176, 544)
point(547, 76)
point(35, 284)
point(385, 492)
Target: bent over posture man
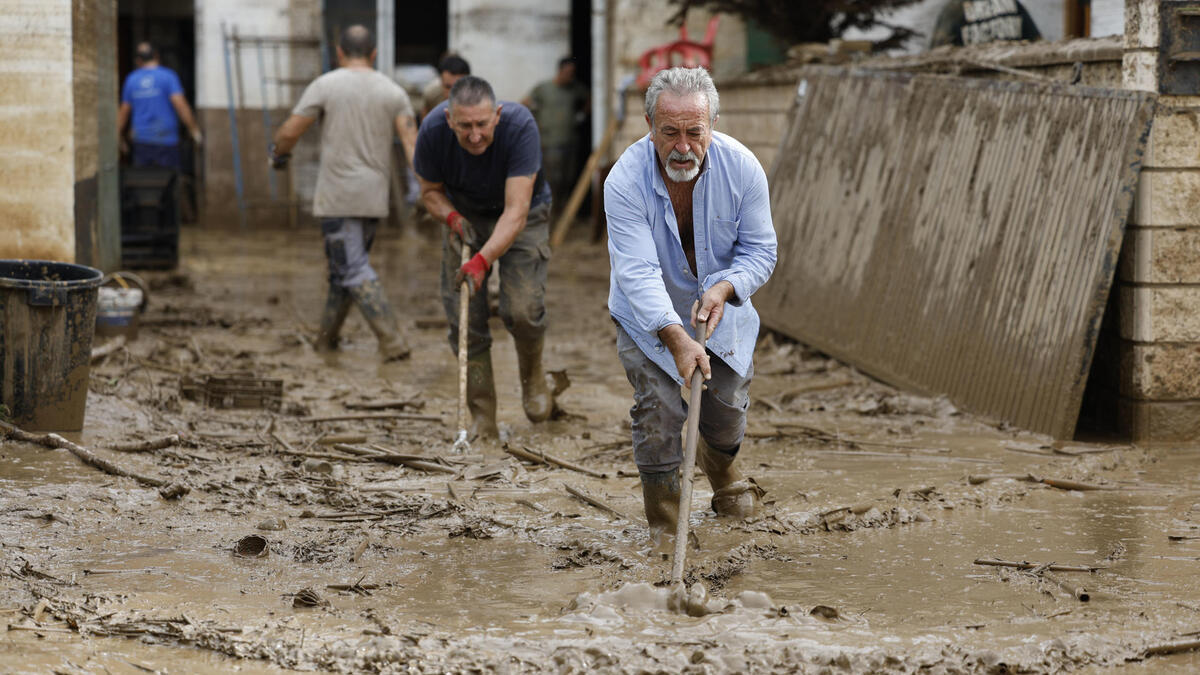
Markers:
point(479, 163)
point(359, 108)
point(690, 235)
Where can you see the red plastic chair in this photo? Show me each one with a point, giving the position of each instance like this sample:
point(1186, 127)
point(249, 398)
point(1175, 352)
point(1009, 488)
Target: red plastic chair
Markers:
point(682, 52)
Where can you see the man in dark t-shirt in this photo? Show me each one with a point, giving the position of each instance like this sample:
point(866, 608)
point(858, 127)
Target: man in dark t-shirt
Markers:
point(479, 163)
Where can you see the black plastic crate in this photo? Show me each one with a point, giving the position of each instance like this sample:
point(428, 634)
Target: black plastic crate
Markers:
point(149, 218)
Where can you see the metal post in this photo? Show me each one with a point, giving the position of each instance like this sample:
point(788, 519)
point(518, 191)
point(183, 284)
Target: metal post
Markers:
point(233, 131)
point(262, 90)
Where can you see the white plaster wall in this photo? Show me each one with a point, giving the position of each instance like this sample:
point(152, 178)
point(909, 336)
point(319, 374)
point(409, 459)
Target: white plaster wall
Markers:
point(1108, 17)
point(273, 18)
point(513, 44)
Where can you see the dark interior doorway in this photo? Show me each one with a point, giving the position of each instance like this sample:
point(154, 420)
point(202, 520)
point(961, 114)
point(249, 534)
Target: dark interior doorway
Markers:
point(422, 31)
point(581, 50)
point(170, 25)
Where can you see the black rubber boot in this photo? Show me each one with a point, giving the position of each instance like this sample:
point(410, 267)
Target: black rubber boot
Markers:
point(535, 394)
point(481, 396)
point(660, 493)
point(373, 304)
point(337, 305)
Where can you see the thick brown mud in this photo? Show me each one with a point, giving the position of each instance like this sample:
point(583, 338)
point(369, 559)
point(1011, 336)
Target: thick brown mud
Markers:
point(879, 504)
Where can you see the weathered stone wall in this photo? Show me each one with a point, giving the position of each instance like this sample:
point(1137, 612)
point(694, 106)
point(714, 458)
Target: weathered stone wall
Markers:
point(1159, 278)
point(37, 132)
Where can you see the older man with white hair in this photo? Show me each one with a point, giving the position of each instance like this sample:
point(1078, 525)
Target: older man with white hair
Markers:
point(690, 234)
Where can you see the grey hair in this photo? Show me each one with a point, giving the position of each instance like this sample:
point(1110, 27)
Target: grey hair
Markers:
point(683, 82)
point(471, 90)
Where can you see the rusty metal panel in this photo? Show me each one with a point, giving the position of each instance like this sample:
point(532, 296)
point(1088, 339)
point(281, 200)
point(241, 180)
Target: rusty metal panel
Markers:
point(955, 236)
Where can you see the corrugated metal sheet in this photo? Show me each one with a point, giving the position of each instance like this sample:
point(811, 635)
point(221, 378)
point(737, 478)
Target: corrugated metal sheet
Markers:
point(955, 236)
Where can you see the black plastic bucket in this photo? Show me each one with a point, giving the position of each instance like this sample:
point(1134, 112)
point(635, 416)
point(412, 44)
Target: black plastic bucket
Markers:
point(47, 316)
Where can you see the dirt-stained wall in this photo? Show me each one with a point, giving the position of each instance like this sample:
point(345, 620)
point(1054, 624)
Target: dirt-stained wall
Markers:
point(94, 92)
point(37, 132)
point(513, 44)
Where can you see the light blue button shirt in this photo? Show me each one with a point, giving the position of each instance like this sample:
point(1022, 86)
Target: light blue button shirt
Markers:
point(652, 285)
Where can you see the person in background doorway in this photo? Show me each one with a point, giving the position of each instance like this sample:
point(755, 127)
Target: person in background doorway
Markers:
point(451, 69)
point(360, 109)
point(152, 98)
point(558, 105)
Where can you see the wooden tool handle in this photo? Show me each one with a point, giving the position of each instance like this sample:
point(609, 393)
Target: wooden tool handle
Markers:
point(464, 305)
point(689, 462)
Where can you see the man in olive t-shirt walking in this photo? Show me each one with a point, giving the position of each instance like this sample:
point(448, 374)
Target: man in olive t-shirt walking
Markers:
point(359, 109)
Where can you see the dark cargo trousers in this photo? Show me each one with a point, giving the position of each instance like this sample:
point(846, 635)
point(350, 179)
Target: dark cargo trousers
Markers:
point(659, 412)
point(522, 282)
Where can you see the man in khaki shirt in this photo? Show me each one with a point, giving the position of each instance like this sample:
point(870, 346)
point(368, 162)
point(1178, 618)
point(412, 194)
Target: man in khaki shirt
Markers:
point(359, 109)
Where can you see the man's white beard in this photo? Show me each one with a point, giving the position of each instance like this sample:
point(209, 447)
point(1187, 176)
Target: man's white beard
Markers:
point(682, 175)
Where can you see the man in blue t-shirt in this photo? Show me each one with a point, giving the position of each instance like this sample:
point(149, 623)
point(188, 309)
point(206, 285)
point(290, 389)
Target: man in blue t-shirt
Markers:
point(479, 162)
point(153, 98)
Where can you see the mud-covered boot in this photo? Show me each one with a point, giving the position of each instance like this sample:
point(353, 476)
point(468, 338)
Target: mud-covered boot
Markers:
point(373, 304)
point(660, 492)
point(734, 494)
point(535, 394)
point(337, 305)
point(481, 396)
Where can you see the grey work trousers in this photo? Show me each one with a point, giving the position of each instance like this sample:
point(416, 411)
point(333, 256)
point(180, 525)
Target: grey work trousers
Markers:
point(659, 412)
point(522, 282)
point(347, 243)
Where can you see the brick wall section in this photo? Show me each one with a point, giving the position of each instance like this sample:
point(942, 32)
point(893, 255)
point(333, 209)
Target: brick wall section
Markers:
point(37, 149)
point(1159, 277)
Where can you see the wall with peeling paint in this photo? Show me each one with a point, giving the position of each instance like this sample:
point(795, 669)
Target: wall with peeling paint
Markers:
point(37, 139)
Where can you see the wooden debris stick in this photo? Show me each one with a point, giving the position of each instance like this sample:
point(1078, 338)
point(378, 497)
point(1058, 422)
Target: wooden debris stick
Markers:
point(87, 456)
point(1078, 592)
point(1029, 566)
point(351, 587)
point(374, 416)
point(147, 446)
point(1173, 648)
point(335, 439)
point(592, 501)
point(379, 454)
point(1052, 482)
point(538, 457)
point(384, 405)
point(107, 348)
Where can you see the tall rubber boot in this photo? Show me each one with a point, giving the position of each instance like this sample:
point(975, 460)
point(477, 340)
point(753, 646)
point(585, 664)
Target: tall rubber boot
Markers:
point(660, 493)
point(337, 305)
point(481, 396)
point(373, 304)
point(734, 494)
point(535, 394)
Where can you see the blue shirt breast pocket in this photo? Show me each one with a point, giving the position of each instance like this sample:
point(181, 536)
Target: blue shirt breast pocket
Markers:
point(724, 235)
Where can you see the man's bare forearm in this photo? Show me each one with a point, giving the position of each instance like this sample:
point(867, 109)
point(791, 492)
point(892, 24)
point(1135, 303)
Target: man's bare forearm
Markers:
point(508, 226)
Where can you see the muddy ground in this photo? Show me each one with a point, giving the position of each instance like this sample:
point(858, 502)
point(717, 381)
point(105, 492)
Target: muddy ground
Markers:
point(879, 506)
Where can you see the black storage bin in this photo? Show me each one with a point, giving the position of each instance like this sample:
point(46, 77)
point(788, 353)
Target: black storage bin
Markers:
point(149, 218)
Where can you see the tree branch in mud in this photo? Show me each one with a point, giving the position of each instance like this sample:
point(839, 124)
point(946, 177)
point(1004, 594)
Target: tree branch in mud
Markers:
point(593, 501)
point(1052, 482)
point(147, 446)
point(539, 457)
point(89, 458)
point(1030, 566)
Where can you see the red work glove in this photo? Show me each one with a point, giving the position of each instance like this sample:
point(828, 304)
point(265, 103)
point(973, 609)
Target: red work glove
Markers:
point(474, 269)
point(458, 225)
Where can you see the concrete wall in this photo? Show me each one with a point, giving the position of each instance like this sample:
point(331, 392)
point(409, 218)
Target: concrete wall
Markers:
point(51, 140)
point(37, 134)
point(297, 62)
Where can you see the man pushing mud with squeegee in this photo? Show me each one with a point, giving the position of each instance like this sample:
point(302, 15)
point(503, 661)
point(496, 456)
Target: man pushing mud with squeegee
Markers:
point(690, 234)
point(479, 162)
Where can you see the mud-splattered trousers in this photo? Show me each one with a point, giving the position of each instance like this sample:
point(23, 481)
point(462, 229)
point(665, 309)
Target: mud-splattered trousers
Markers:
point(522, 282)
point(659, 411)
point(347, 243)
